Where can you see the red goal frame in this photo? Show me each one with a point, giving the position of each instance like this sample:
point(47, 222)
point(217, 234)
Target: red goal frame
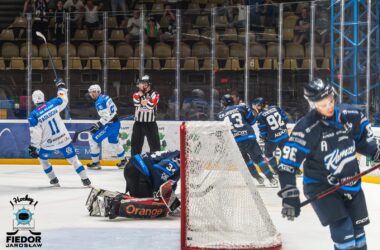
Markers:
point(183, 155)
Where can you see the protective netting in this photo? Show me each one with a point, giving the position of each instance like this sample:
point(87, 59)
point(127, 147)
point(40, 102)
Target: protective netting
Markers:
point(223, 206)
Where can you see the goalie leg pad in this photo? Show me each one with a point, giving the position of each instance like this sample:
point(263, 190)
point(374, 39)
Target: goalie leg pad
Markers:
point(143, 208)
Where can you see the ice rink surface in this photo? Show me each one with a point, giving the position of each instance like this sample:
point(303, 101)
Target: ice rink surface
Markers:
point(63, 220)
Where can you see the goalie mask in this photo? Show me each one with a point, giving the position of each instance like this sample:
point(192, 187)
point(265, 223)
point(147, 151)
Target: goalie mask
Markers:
point(38, 97)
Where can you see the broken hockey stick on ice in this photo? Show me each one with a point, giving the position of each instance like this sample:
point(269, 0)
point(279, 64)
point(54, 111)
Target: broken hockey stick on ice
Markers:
point(336, 187)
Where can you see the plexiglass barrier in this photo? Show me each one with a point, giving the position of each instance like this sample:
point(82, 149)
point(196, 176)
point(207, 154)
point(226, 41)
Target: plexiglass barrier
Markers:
point(194, 54)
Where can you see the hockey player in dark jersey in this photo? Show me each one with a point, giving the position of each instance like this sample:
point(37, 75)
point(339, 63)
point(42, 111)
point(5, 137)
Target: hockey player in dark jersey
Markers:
point(326, 141)
point(272, 122)
point(145, 176)
point(241, 119)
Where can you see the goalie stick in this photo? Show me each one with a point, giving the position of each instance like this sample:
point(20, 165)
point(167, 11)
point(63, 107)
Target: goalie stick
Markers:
point(336, 187)
point(168, 196)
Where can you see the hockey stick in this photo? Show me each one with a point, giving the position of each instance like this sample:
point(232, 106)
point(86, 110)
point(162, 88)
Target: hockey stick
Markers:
point(39, 34)
point(336, 187)
point(76, 134)
point(168, 196)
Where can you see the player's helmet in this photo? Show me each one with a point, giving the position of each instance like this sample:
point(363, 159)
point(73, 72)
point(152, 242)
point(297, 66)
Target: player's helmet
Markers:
point(317, 90)
point(38, 97)
point(198, 93)
point(227, 100)
point(94, 87)
point(259, 102)
point(145, 79)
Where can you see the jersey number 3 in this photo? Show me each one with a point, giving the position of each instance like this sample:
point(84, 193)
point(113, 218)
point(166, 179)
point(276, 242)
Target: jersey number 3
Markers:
point(275, 121)
point(53, 126)
point(235, 121)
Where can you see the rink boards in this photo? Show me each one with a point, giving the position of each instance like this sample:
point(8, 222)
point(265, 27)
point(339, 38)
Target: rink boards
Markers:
point(14, 142)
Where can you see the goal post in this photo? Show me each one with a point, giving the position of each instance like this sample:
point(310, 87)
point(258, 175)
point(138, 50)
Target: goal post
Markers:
point(220, 205)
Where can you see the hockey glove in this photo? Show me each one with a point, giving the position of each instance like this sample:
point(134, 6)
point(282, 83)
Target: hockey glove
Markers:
point(59, 83)
point(33, 151)
point(96, 127)
point(290, 202)
point(332, 179)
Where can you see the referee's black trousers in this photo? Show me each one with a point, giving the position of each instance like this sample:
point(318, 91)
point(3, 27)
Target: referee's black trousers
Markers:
point(140, 130)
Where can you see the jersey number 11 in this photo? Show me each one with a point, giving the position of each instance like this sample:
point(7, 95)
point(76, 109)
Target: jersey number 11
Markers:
point(53, 126)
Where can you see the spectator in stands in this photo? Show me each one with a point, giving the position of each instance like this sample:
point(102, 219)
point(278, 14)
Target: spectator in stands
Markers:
point(76, 7)
point(240, 16)
point(119, 3)
point(196, 107)
point(133, 27)
point(267, 12)
point(52, 5)
point(59, 25)
point(91, 15)
point(322, 25)
point(254, 6)
point(152, 31)
point(302, 28)
point(41, 19)
point(169, 32)
point(28, 7)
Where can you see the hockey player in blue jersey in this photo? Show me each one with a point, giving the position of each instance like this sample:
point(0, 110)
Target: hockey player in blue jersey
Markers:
point(241, 119)
point(48, 133)
point(107, 127)
point(326, 141)
point(272, 122)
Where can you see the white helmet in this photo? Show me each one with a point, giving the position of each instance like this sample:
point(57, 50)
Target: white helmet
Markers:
point(94, 87)
point(38, 97)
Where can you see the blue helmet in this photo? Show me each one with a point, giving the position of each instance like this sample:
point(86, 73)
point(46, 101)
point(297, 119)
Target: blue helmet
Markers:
point(227, 100)
point(258, 103)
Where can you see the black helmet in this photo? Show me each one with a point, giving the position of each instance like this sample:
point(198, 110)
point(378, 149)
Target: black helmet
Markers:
point(227, 100)
point(259, 101)
point(317, 89)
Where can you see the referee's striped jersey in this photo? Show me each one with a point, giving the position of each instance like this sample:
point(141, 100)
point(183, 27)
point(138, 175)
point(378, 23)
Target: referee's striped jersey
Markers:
point(146, 112)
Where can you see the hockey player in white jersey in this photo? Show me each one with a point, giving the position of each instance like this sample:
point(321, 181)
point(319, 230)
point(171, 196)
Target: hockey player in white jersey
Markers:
point(107, 127)
point(48, 133)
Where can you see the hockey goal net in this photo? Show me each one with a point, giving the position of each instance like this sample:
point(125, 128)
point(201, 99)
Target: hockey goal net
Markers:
point(221, 207)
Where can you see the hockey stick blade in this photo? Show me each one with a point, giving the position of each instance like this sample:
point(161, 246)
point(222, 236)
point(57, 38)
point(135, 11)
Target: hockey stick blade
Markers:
point(39, 34)
point(336, 187)
point(76, 134)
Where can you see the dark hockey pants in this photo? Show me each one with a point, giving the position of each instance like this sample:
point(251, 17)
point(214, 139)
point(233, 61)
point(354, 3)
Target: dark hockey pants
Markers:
point(252, 155)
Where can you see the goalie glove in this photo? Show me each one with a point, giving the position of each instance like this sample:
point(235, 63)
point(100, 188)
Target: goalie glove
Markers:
point(95, 128)
point(33, 151)
point(290, 202)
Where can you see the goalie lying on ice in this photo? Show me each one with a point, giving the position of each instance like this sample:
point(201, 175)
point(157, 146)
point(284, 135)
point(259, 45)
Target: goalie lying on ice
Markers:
point(151, 181)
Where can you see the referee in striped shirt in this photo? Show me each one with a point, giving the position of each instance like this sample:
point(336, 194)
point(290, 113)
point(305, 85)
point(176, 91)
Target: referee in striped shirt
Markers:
point(145, 101)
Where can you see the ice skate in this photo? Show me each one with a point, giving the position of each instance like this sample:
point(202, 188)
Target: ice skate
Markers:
point(55, 182)
point(122, 163)
point(86, 182)
point(94, 166)
point(273, 182)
